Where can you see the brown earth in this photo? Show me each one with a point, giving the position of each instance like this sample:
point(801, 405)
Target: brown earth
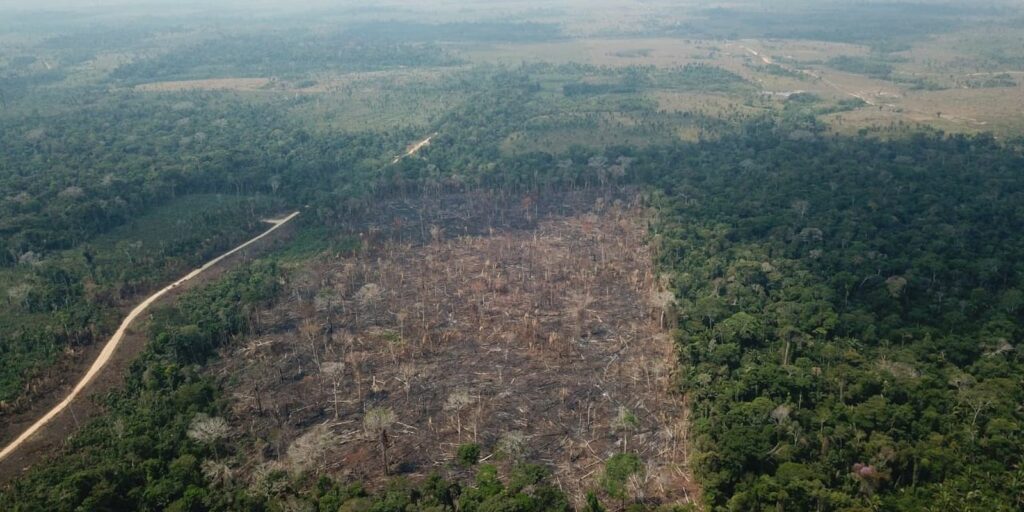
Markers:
point(536, 332)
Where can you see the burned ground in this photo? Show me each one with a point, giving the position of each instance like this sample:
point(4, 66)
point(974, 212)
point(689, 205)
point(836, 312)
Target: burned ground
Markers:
point(542, 340)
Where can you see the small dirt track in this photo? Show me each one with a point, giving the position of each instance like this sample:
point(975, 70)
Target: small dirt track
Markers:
point(112, 344)
point(414, 148)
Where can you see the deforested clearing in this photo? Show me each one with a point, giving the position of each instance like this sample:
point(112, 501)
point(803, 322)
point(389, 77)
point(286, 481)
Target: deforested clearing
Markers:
point(212, 84)
point(544, 339)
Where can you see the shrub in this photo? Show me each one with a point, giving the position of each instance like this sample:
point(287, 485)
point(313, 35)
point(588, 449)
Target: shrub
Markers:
point(617, 471)
point(468, 454)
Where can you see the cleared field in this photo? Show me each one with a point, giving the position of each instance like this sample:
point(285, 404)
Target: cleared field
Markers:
point(662, 52)
point(540, 341)
point(776, 67)
point(713, 104)
point(417, 97)
point(989, 48)
point(1000, 110)
point(939, 63)
point(211, 84)
point(802, 50)
point(378, 100)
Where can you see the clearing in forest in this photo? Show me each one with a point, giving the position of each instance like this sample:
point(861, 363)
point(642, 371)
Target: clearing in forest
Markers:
point(209, 84)
point(541, 341)
point(413, 149)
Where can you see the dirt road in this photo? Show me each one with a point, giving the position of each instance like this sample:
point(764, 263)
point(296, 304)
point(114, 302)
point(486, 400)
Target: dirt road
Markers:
point(764, 58)
point(112, 344)
point(768, 60)
point(414, 148)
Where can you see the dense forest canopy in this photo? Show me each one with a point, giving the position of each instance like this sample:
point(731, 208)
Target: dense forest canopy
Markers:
point(829, 294)
point(846, 292)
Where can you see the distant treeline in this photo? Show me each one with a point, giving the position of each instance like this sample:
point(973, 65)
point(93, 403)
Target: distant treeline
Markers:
point(279, 56)
point(478, 32)
point(884, 26)
point(862, 65)
point(691, 77)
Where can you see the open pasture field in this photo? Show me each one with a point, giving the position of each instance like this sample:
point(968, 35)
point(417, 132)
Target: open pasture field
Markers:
point(956, 91)
point(210, 84)
point(378, 100)
point(616, 52)
point(775, 69)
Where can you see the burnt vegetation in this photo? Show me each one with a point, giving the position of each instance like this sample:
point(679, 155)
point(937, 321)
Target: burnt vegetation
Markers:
point(541, 339)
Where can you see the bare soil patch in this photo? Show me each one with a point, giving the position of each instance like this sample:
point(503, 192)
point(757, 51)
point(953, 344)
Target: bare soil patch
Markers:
point(542, 341)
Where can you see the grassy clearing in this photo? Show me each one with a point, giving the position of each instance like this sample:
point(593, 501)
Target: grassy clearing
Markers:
point(939, 75)
point(660, 52)
point(211, 84)
point(380, 100)
point(417, 97)
point(310, 241)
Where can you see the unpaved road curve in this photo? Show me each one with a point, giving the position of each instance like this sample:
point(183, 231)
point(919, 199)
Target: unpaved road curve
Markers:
point(111, 347)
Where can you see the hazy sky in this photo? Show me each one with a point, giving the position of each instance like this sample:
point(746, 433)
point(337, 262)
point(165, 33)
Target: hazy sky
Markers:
point(612, 9)
point(260, 4)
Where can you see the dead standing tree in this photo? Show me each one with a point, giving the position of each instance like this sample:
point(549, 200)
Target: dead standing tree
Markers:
point(457, 401)
point(309, 451)
point(376, 424)
point(335, 371)
point(310, 330)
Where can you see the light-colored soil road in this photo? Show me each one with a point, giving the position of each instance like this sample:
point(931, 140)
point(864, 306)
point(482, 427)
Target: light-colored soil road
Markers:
point(768, 60)
point(414, 148)
point(868, 101)
point(111, 347)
